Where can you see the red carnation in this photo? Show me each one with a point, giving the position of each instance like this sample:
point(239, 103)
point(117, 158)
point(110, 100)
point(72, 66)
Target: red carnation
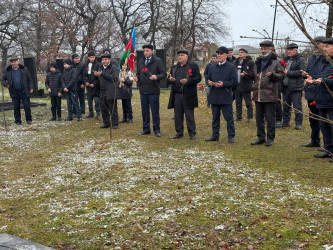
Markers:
point(331, 76)
point(283, 62)
point(189, 70)
point(201, 86)
point(313, 103)
point(286, 64)
point(190, 74)
point(146, 69)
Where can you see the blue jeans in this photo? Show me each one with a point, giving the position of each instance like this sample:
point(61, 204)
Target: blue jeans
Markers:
point(151, 101)
point(73, 104)
point(293, 98)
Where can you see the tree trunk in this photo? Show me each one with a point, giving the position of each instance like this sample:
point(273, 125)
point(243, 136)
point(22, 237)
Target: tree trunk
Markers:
point(329, 19)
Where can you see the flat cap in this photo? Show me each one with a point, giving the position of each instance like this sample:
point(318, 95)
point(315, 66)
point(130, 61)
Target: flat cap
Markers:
point(319, 39)
point(148, 46)
point(245, 50)
point(266, 43)
point(292, 46)
point(222, 49)
point(75, 55)
point(13, 58)
point(106, 49)
point(183, 51)
point(67, 61)
point(328, 40)
point(105, 55)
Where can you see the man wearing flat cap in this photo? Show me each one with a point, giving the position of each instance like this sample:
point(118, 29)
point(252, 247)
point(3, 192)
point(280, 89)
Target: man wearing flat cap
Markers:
point(268, 72)
point(19, 82)
point(108, 75)
point(315, 64)
point(183, 96)
point(222, 77)
point(150, 71)
point(293, 83)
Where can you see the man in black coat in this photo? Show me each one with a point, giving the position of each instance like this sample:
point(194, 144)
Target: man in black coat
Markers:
point(183, 96)
point(245, 73)
point(222, 77)
point(315, 64)
point(19, 82)
point(230, 57)
point(293, 86)
point(150, 71)
point(79, 66)
point(108, 74)
point(92, 84)
point(213, 60)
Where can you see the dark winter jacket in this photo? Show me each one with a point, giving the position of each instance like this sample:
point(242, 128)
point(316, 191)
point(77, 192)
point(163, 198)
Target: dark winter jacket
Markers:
point(154, 67)
point(79, 73)
point(192, 73)
point(54, 82)
point(27, 82)
point(294, 80)
point(315, 67)
point(265, 88)
point(207, 71)
point(69, 78)
point(324, 91)
point(228, 75)
point(125, 92)
point(232, 59)
point(109, 81)
point(246, 82)
point(91, 78)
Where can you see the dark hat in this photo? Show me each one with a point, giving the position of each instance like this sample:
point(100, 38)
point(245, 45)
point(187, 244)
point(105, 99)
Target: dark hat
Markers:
point(67, 61)
point(319, 39)
point(91, 53)
point(222, 49)
point(75, 55)
point(183, 51)
point(107, 49)
point(292, 46)
point(266, 43)
point(230, 49)
point(245, 50)
point(13, 58)
point(328, 40)
point(53, 64)
point(148, 46)
point(105, 55)
point(214, 55)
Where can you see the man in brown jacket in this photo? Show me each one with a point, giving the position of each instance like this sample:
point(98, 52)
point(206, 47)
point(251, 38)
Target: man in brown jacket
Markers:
point(268, 71)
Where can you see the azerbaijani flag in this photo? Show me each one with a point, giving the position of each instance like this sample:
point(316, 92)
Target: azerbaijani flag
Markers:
point(129, 52)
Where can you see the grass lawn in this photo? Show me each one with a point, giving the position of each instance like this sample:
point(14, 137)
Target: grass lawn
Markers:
point(68, 186)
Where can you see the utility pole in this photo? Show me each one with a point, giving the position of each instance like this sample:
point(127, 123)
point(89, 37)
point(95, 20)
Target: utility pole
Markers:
point(274, 21)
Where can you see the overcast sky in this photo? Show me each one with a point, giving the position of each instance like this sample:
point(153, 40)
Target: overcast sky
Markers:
point(246, 15)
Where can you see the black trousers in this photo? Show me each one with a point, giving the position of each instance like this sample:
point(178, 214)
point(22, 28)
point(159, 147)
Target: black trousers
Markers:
point(180, 111)
point(240, 94)
point(109, 107)
point(278, 107)
point(327, 129)
point(314, 124)
point(150, 101)
point(127, 109)
point(91, 98)
point(265, 111)
point(56, 106)
point(228, 116)
point(20, 96)
point(293, 98)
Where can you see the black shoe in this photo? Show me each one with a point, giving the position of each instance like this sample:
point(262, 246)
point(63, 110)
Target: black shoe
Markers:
point(212, 139)
point(97, 116)
point(249, 120)
point(29, 122)
point(79, 119)
point(331, 159)
point(192, 137)
point(158, 134)
point(69, 119)
point(18, 123)
point(144, 133)
point(231, 139)
point(105, 126)
point(322, 155)
point(91, 115)
point(59, 118)
point(114, 126)
point(177, 136)
point(258, 142)
point(53, 118)
point(123, 121)
point(284, 125)
point(298, 127)
point(269, 143)
point(238, 119)
point(321, 150)
point(130, 121)
point(311, 144)
point(278, 124)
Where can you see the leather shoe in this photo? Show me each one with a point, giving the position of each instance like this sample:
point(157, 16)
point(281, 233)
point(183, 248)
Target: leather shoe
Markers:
point(231, 139)
point(278, 124)
point(114, 126)
point(158, 134)
point(331, 159)
point(123, 121)
point(284, 125)
point(177, 136)
point(144, 133)
point(212, 139)
point(298, 127)
point(311, 144)
point(130, 121)
point(321, 150)
point(257, 142)
point(105, 126)
point(192, 137)
point(269, 143)
point(322, 155)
